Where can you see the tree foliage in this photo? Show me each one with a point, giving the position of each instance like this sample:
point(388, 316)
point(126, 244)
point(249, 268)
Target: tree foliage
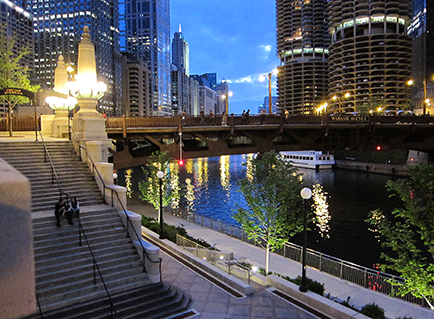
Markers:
point(13, 72)
point(150, 187)
point(409, 233)
point(272, 191)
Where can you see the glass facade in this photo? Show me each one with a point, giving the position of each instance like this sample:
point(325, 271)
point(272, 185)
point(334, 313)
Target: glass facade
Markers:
point(58, 27)
point(145, 33)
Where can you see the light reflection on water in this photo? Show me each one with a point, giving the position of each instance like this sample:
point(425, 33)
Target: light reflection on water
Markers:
point(212, 190)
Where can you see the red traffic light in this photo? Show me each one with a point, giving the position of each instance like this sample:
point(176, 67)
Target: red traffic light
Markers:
point(181, 162)
point(378, 148)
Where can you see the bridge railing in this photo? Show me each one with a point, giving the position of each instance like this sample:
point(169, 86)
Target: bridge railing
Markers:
point(216, 120)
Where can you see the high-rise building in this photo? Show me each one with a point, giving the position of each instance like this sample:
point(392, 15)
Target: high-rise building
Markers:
point(180, 52)
point(135, 87)
point(145, 33)
point(422, 31)
point(370, 54)
point(222, 90)
point(181, 97)
point(207, 100)
point(302, 46)
point(58, 27)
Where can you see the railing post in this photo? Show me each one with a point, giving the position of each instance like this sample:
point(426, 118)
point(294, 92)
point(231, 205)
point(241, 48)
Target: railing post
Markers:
point(124, 126)
point(342, 266)
point(94, 272)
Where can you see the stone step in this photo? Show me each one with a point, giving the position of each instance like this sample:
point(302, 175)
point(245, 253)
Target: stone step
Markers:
point(107, 235)
point(47, 231)
point(65, 247)
point(106, 266)
point(83, 277)
point(87, 219)
point(100, 308)
point(69, 294)
point(102, 254)
point(47, 267)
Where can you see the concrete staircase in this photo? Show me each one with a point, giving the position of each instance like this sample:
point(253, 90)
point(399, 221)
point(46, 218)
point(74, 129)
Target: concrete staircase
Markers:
point(74, 175)
point(65, 277)
point(64, 270)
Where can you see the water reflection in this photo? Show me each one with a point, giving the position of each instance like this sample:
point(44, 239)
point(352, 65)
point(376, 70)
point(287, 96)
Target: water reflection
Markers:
point(210, 188)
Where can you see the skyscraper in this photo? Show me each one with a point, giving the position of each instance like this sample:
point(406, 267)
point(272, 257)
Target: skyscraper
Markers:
point(181, 97)
point(302, 46)
point(58, 27)
point(145, 33)
point(180, 52)
point(370, 54)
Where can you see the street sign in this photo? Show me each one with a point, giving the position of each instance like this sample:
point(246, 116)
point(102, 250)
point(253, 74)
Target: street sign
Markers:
point(16, 91)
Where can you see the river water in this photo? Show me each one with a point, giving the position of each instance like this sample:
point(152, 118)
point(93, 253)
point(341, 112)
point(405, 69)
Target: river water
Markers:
point(351, 196)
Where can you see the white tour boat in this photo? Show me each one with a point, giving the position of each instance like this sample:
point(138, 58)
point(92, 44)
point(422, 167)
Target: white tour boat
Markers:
point(309, 159)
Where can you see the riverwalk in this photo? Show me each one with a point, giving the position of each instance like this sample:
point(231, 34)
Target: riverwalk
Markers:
point(359, 296)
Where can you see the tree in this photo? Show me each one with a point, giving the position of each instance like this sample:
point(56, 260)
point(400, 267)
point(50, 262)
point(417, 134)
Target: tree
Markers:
point(150, 187)
point(409, 233)
point(13, 72)
point(272, 191)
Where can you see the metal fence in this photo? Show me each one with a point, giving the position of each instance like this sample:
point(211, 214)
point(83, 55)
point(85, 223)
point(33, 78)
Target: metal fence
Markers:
point(20, 124)
point(365, 277)
point(222, 260)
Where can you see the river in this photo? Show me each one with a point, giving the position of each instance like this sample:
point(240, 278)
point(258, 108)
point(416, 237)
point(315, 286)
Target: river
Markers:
point(351, 195)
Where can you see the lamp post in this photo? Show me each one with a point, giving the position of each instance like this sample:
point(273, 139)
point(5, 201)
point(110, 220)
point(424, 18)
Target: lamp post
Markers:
point(226, 98)
point(339, 98)
point(305, 193)
point(268, 76)
point(160, 176)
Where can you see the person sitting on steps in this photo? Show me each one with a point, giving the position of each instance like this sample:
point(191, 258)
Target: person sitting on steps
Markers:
point(62, 208)
point(75, 206)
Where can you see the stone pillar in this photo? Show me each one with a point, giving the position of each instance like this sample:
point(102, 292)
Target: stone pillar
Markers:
point(60, 123)
point(151, 259)
point(134, 225)
point(95, 150)
point(113, 200)
point(46, 124)
point(106, 172)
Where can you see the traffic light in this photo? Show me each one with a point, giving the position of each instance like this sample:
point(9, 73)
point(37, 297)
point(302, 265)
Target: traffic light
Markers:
point(180, 162)
point(378, 148)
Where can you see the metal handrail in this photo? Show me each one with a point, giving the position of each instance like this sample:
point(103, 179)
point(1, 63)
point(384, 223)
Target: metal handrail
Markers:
point(96, 268)
point(81, 229)
point(53, 170)
point(94, 169)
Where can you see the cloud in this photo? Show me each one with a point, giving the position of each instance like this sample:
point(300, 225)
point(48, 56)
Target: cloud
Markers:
point(266, 48)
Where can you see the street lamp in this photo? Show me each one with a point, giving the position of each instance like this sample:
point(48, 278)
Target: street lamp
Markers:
point(226, 98)
point(160, 176)
point(339, 98)
point(262, 78)
point(306, 194)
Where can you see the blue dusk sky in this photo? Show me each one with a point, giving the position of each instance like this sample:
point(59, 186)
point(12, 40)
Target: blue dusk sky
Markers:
point(235, 39)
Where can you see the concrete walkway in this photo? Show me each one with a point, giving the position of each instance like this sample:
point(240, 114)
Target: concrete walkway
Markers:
point(359, 296)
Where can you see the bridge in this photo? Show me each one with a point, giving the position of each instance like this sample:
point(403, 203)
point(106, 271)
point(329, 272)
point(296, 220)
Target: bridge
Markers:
point(138, 137)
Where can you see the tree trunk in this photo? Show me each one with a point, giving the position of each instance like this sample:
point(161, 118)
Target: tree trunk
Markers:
point(9, 119)
point(267, 259)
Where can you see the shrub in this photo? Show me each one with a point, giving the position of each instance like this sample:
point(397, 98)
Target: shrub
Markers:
point(373, 311)
point(311, 284)
point(170, 231)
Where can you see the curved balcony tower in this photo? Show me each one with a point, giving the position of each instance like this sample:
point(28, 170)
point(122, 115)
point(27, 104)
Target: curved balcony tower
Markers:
point(370, 54)
point(302, 46)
